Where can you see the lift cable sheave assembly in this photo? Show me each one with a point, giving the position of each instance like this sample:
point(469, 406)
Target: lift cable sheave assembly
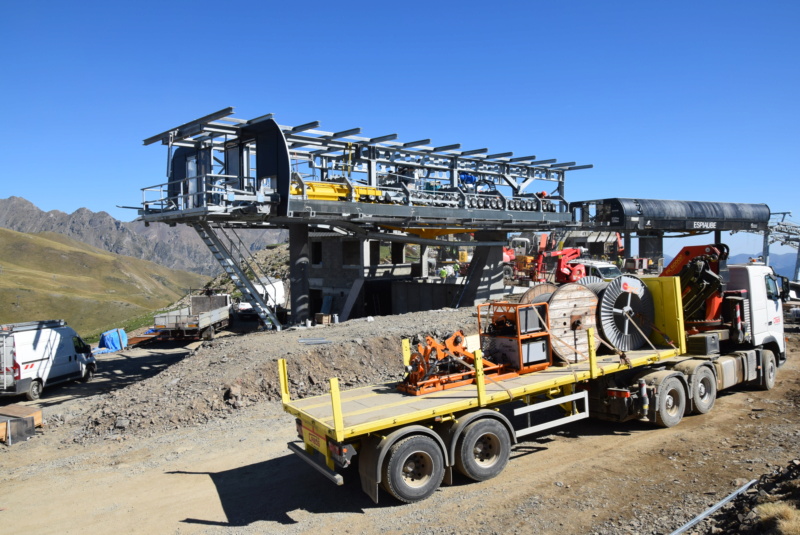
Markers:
point(258, 172)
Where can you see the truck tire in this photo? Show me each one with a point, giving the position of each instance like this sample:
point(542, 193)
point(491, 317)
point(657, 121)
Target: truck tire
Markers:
point(483, 450)
point(414, 469)
point(768, 370)
point(704, 393)
point(671, 402)
point(34, 391)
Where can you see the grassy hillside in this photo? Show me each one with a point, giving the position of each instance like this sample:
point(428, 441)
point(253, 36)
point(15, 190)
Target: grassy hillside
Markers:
point(50, 276)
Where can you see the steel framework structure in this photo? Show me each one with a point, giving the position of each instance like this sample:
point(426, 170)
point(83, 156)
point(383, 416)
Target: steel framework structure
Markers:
point(258, 173)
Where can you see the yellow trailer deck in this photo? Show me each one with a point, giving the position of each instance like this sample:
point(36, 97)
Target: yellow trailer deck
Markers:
point(428, 431)
point(376, 408)
point(360, 411)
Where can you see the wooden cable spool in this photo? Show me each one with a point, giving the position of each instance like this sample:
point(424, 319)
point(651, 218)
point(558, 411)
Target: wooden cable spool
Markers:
point(573, 310)
point(531, 295)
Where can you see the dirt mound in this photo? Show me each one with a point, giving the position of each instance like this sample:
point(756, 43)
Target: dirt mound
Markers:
point(237, 371)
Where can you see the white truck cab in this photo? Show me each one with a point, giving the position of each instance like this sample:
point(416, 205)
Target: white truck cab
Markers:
point(765, 306)
point(36, 354)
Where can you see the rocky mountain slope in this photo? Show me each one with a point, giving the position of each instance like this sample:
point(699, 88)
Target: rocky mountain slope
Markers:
point(176, 247)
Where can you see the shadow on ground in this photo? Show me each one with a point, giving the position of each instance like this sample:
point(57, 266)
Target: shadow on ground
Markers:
point(114, 371)
point(269, 491)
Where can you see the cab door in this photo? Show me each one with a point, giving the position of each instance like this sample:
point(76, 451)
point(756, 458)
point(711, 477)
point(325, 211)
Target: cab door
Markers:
point(774, 310)
point(767, 309)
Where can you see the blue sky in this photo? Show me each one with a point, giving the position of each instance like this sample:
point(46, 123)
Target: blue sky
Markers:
point(669, 100)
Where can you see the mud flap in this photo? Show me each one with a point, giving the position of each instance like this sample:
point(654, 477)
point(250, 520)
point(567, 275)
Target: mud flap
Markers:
point(367, 467)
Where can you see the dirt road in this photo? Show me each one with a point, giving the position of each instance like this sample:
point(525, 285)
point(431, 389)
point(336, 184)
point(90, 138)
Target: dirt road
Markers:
point(230, 471)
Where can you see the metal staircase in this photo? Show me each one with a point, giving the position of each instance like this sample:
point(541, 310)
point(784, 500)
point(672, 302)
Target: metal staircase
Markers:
point(232, 264)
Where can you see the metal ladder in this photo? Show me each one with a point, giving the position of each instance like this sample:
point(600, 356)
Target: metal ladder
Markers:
point(237, 275)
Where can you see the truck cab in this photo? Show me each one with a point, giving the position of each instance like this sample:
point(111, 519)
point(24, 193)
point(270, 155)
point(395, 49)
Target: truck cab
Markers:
point(764, 305)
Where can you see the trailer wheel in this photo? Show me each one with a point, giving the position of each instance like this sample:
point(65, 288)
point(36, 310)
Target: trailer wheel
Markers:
point(671, 402)
point(34, 391)
point(483, 450)
point(414, 469)
point(768, 370)
point(704, 393)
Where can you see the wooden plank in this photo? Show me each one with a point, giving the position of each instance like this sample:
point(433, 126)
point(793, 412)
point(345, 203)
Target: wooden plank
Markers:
point(138, 340)
point(22, 411)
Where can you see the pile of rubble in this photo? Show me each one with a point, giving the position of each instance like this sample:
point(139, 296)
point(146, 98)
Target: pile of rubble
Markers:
point(770, 506)
point(238, 371)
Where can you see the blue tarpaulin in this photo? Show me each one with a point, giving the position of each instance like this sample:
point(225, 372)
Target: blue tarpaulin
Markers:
point(113, 340)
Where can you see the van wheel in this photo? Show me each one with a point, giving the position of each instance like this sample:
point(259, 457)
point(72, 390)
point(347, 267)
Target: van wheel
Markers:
point(704, 393)
point(34, 391)
point(671, 402)
point(768, 370)
point(88, 375)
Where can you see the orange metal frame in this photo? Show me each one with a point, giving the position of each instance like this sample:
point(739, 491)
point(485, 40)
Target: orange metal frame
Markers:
point(419, 381)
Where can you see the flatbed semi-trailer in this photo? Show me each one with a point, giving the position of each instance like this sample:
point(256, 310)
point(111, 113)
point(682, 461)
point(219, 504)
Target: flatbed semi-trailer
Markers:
point(409, 444)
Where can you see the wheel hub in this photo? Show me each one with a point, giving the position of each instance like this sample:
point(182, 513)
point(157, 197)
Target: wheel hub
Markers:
point(485, 450)
point(417, 469)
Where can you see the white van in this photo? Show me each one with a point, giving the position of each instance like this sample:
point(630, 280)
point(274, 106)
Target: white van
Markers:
point(39, 353)
point(599, 268)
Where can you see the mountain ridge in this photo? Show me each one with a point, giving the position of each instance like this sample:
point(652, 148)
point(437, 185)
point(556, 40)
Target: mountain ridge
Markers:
point(177, 247)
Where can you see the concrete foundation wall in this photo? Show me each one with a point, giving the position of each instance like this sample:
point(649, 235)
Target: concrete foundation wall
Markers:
point(344, 275)
point(410, 296)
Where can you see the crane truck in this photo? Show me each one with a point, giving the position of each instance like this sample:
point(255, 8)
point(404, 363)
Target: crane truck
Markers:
point(630, 349)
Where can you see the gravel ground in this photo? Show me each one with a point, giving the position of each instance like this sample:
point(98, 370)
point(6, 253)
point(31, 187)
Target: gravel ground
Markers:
point(193, 440)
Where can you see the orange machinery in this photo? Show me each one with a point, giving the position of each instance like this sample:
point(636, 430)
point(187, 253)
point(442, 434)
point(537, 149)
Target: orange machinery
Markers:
point(565, 272)
point(707, 304)
point(515, 340)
